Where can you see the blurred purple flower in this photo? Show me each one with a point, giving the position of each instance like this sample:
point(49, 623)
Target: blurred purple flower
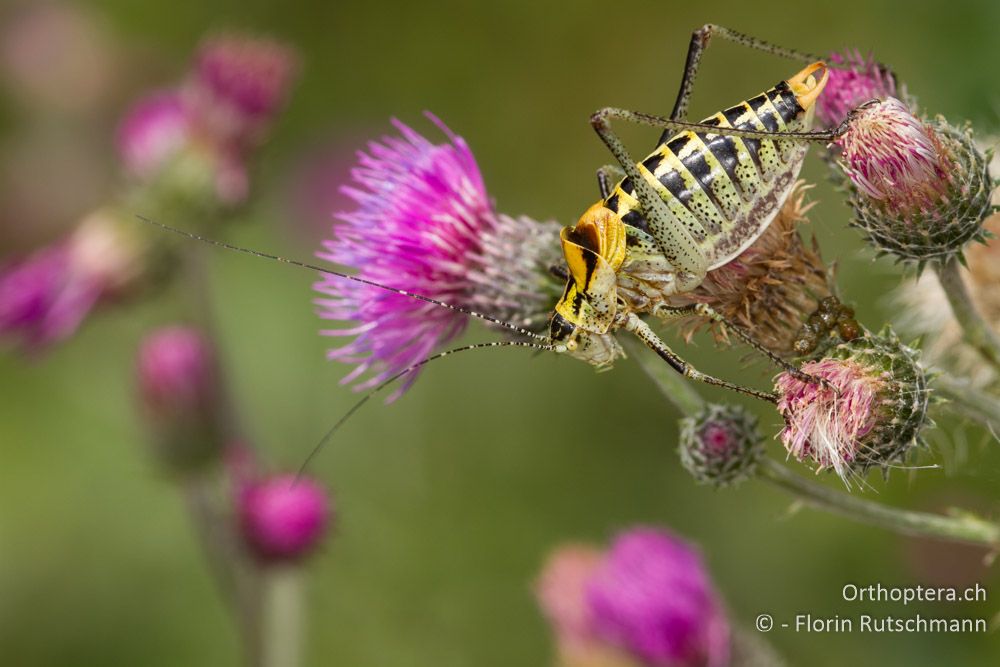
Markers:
point(284, 517)
point(238, 85)
point(155, 129)
point(425, 224)
point(176, 369)
point(653, 597)
point(45, 296)
point(861, 79)
point(179, 390)
point(40, 300)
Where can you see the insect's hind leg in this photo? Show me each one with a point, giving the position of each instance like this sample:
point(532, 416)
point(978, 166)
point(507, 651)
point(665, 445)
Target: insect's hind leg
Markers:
point(652, 341)
point(700, 40)
point(602, 118)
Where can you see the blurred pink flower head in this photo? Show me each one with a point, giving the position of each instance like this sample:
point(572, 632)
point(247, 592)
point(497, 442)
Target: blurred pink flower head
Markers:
point(561, 592)
point(283, 518)
point(176, 369)
point(239, 84)
point(826, 423)
point(45, 296)
point(424, 223)
point(154, 130)
point(894, 158)
point(653, 597)
point(858, 80)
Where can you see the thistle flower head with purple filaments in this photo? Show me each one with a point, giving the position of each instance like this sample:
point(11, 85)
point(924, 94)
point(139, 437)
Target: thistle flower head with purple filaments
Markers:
point(653, 597)
point(869, 413)
point(854, 79)
point(920, 190)
point(425, 224)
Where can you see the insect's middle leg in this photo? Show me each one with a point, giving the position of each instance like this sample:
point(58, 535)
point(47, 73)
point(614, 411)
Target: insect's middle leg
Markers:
point(607, 176)
point(651, 340)
point(706, 311)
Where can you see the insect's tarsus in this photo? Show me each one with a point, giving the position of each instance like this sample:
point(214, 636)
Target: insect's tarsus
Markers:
point(331, 272)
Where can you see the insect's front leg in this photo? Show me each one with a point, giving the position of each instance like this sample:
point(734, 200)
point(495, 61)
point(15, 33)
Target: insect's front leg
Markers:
point(700, 39)
point(653, 342)
point(677, 244)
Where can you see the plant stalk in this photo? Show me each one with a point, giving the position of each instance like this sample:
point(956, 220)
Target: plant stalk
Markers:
point(969, 401)
point(965, 527)
point(976, 331)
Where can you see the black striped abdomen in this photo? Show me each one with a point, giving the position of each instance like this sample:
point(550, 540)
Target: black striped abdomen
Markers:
point(723, 190)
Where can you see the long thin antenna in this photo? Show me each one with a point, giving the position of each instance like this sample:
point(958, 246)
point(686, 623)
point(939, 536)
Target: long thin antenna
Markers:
point(385, 383)
point(314, 267)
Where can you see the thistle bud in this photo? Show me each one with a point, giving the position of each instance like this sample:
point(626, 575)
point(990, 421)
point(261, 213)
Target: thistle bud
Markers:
point(920, 190)
point(283, 518)
point(179, 393)
point(720, 445)
point(869, 412)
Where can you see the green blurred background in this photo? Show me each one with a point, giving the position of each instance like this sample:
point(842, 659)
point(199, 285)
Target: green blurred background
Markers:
point(449, 499)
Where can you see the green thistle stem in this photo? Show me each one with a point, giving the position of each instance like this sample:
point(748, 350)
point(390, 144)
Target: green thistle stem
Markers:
point(977, 333)
point(282, 617)
point(961, 527)
point(968, 401)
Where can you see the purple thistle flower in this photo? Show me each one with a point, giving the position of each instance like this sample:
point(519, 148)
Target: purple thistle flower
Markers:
point(283, 518)
point(863, 79)
point(870, 411)
point(653, 597)
point(155, 129)
point(892, 157)
point(46, 296)
point(826, 423)
point(238, 85)
point(425, 224)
